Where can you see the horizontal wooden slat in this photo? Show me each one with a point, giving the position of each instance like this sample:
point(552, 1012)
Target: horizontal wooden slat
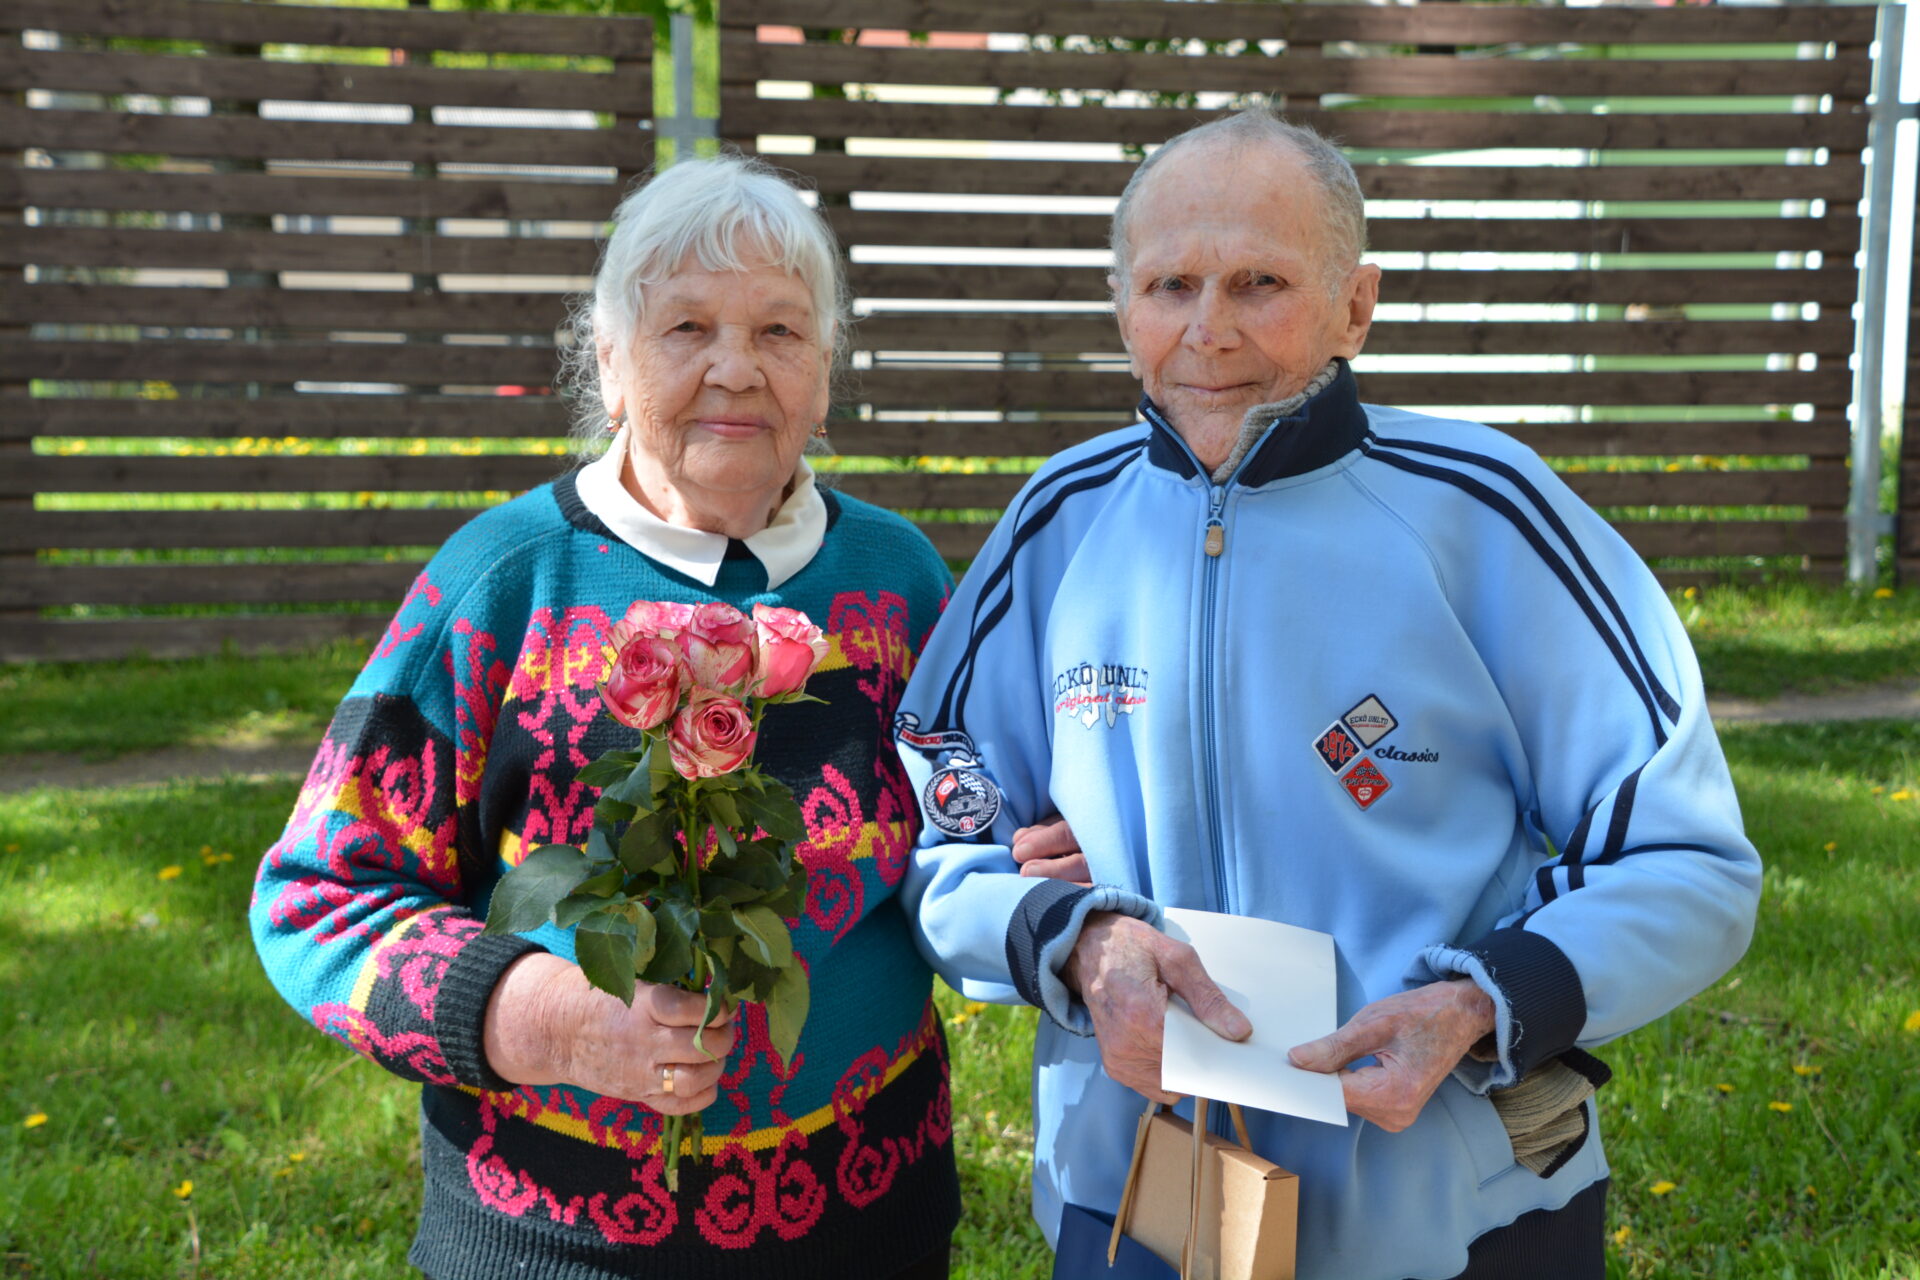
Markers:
point(319, 416)
point(1839, 180)
point(91, 640)
point(269, 193)
point(629, 92)
point(44, 585)
point(1088, 284)
point(249, 137)
point(1294, 73)
point(232, 23)
point(1832, 233)
point(83, 474)
point(1815, 488)
point(227, 361)
point(1766, 437)
point(1820, 536)
point(169, 530)
point(379, 310)
point(744, 114)
point(1038, 332)
point(1469, 24)
point(294, 251)
point(905, 388)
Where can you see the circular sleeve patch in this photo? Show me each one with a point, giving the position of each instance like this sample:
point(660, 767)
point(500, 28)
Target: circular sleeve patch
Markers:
point(960, 801)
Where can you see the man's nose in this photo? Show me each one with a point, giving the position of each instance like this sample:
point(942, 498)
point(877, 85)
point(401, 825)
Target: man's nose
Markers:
point(736, 363)
point(1212, 325)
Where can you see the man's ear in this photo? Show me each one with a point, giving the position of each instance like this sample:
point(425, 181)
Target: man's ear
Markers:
point(1361, 295)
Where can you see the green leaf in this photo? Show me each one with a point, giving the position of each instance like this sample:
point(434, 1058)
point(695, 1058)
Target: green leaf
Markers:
point(787, 1006)
point(717, 1002)
point(765, 936)
point(599, 847)
point(571, 910)
point(675, 923)
point(607, 809)
point(525, 897)
point(727, 843)
point(604, 885)
point(718, 922)
point(723, 949)
point(775, 813)
point(718, 888)
point(645, 934)
point(648, 844)
point(722, 807)
point(607, 769)
point(604, 947)
point(635, 787)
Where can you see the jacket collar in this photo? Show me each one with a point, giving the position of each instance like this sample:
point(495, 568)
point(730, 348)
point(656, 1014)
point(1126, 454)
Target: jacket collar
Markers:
point(1323, 430)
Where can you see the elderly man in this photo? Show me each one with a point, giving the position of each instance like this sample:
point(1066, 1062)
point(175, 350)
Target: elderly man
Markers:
point(1273, 652)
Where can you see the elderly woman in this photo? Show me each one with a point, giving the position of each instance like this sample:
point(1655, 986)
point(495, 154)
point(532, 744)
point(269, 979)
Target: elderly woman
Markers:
point(715, 317)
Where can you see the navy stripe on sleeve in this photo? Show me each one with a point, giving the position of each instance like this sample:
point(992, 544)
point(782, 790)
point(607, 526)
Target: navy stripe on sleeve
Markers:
point(1043, 913)
point(1026, 528)
point(1504, 506)
point(1666, 700)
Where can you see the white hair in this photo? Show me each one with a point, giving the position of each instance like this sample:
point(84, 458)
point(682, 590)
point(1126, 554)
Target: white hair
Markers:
point(720, 212)
point(1341, 201)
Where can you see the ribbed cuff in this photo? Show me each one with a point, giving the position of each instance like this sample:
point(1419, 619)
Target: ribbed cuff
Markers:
point(1539, 1006)
point(460, 1006)
point(1041, 935)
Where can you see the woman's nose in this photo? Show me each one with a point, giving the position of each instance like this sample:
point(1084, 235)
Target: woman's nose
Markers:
point(736, 364)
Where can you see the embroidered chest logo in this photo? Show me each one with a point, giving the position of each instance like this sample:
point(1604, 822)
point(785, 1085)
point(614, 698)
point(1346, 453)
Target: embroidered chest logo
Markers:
point(1094, 691)
point(1341, 744)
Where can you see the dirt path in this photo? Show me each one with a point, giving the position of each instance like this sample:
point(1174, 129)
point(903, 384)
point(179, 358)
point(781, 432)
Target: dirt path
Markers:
point(24, 772)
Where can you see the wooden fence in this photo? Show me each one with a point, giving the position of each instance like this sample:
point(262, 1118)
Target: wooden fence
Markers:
point(229, 223)
point(1584, 215)
point(1626, 234)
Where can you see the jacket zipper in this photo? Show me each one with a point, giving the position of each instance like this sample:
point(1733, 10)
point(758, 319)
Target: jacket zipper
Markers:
point(1214, 545)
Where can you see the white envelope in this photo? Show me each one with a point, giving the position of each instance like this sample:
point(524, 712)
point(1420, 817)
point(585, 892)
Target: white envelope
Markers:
point(1282, 977)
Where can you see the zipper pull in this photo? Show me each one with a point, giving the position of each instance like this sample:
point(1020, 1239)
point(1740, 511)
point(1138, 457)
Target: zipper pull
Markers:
point(1216, 537)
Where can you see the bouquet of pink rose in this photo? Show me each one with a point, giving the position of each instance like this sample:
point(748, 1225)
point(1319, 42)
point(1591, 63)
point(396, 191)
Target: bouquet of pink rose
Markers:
point(688, 875)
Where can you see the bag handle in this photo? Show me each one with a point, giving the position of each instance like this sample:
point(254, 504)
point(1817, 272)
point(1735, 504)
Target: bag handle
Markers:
point(1193, 1187)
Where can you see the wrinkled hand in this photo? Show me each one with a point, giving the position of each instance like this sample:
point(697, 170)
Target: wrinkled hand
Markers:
point(546, 1024)
point(1124, 970)
point(1049, 848)
point(1418, 1036)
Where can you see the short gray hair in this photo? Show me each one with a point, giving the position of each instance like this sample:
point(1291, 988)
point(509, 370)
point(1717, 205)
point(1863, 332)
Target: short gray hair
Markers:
point(718, 210)
point(1340, 195)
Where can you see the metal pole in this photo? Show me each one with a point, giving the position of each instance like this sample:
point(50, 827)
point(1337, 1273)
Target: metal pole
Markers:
point(684, 128)
point(1865, 524)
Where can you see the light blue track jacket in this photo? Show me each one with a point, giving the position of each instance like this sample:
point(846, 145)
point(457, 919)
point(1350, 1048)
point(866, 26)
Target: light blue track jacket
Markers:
point(1422, 699)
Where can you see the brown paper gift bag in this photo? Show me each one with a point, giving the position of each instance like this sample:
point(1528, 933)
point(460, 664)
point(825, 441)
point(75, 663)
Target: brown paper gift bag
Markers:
point(1200, 1203)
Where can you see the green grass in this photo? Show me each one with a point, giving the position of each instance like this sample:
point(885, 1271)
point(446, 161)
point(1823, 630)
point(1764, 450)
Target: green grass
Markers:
point(1761, 642)
point(138, 1022)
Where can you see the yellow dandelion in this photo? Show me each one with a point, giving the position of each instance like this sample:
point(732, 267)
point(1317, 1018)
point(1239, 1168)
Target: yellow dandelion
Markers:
point(1812, 1190)
point(205, 849)
point(1913, 1021)
point(185, 1189)
point(1901, 794)
point(1781, 1107)
point(364, 1226)
point(1662, 1187)
point(1691, 593)
point(1806, 1069)
point(976, 1006)
point(283, 1172)
point(1883, 593)
point(1876, 791)
point(169, 873)
point(1831, 845)
point(13, 848)
point(34, 1121)
point(1724, 1087)
point(1673, 466)
point(957, 1020)
point(1624, 1234)
point(296, 1156)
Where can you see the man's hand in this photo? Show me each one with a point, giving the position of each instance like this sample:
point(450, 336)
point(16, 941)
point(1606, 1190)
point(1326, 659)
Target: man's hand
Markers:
point(1048, 848)
point(1418, 1037)
point(1123, 970)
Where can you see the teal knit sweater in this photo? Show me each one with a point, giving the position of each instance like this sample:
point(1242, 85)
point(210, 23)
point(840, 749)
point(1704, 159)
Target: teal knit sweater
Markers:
point(455, 752)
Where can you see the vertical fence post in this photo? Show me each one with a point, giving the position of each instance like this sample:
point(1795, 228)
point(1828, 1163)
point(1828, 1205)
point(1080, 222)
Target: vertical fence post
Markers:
point(685, 127)
point(16, 438)
point(1865, 524)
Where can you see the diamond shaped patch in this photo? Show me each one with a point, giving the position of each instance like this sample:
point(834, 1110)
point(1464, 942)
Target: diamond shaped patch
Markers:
point(1365, 783)
point(1336, 748)
point(1370, 721)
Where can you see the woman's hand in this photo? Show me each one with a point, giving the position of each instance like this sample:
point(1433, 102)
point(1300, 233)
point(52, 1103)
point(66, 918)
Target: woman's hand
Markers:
point(1049, 848)
point(547, 1025)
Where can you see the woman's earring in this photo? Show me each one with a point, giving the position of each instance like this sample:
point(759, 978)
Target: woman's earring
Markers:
point(820, 432)
point(614, 424)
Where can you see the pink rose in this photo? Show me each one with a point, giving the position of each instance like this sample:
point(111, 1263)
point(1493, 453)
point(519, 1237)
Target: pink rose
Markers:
point(791, 648)
point(718, 642)
point(645, 684)
point(712, 735)
point(662, 618)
